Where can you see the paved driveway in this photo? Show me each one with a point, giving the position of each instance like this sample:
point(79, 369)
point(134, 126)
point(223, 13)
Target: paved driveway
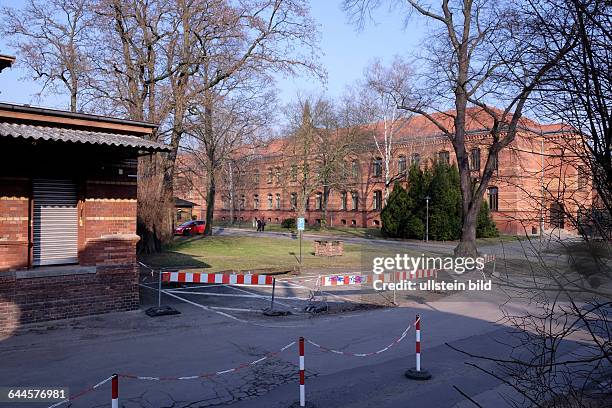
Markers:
point(202, 345)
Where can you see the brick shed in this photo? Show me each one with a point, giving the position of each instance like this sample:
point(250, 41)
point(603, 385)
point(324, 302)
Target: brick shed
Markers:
point(68, 198)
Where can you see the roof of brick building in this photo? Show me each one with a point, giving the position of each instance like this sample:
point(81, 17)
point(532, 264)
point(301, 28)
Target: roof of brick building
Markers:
point(34, 123)
point(59, 134)
point(420, 129)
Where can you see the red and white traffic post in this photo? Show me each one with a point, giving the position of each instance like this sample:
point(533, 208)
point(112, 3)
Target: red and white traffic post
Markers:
point(115, 387)
point(416, 373)
point(417, 330)
point(302, 374)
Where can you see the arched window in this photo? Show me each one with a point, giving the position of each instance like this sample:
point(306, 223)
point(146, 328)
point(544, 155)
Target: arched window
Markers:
point(278, 175)
point(293, 201)
point(444, 157)
point(242, 202)
point(256, 177)
point(377, 200)
point(401, 165)
point(278, 201)
point(557, 215)
point(354, 201)
point(416, 159)
point(319, 201)
point(493, 199)
point(475, 159)
point(377, 167)
point(269, 201)
point(495, 161)
point(355, 168)
point(256, 201)
point(270, 175)
point(294, 172)
point(343, 200)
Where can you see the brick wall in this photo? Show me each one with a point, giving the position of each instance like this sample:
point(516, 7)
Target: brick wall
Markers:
point(518, 181)
point(110, 288)
point(106, 278)
point(14, 210)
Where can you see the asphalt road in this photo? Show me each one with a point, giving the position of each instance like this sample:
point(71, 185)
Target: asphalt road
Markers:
point(79, 353)
point(210, 337)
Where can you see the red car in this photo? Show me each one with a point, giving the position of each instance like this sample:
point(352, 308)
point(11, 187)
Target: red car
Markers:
point(190, 227)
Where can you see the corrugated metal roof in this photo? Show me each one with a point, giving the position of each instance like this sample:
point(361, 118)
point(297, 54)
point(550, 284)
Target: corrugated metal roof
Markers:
point(34, 132)
point(179, 202)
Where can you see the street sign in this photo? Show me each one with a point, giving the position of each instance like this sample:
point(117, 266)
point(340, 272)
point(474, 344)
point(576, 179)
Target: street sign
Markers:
point(300, 224)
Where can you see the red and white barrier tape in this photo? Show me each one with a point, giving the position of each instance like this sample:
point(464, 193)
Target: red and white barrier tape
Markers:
point(234, 279)
point(341, 280)
point(80, 394)
point(210, 375)
point(346, 353)
point(115, 387)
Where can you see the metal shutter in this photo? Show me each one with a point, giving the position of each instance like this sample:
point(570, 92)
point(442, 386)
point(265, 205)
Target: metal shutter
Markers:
point(55, 222)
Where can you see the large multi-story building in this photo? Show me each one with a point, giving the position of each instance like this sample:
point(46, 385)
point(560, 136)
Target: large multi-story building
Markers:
point(538, 181)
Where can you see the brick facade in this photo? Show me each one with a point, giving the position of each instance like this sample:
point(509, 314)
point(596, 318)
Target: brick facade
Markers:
point(106, 276)
point(538, 156)
point(106, 241)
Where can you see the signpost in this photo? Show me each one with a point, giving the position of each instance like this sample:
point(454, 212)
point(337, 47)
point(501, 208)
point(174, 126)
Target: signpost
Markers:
point(300, 227)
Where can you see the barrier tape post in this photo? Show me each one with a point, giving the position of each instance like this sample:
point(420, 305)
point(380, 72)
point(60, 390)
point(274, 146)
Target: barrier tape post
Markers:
point(159, 288)
point(115, 387)
point(273, 290)
point(302, 375)
point(416, 373)
point(417, 330)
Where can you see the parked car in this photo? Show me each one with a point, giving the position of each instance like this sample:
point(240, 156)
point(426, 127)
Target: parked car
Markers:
point(190, 228)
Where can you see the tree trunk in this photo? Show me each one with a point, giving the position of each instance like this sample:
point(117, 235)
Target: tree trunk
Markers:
point(231, 192)
point(467, 245)
point(148, 206)
point(73, 99)
point(326, 191)
point(210, 204)
point(212, 163)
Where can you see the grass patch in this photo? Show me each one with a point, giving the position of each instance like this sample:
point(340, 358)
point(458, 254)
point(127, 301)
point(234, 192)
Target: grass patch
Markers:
point(328, 231)
point(221, 253)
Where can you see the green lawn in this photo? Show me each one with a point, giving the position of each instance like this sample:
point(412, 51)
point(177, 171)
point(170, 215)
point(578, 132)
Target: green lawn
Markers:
point(221, 253)
point(347, 232)
point(329, 231)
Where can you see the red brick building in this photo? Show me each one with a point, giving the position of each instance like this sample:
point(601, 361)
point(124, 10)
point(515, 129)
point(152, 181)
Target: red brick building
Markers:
point(68, 198)
point(537, 182)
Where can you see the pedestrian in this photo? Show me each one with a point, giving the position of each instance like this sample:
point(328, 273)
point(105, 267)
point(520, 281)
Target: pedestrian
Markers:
point(258, 225)
point(254, 222)
point(263, 225)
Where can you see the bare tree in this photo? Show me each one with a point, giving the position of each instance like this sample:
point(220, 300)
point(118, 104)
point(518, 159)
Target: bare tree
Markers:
point(377, 111)
point(579, 93)
point(481, 54)
point(223, 126)
point(321, 140)
point(165, 58)
point(53, 41)
point(557, 350)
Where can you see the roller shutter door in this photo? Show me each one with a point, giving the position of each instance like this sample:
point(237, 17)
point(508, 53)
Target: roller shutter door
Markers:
point(55, 222)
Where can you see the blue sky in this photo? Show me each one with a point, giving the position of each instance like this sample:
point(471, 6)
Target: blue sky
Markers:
point(346, 52)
